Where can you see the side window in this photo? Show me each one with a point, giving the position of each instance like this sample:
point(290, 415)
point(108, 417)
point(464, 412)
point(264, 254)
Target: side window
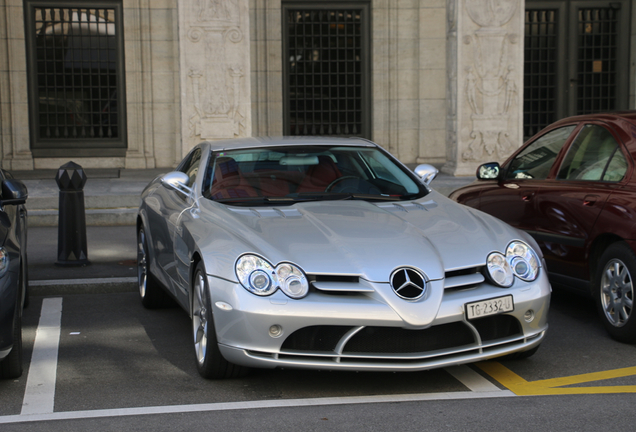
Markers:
point(616, 168)
point(594, 156)
point(191, 166)
point(535, 161)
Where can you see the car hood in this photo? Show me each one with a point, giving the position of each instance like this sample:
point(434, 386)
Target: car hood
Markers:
point(365, 239)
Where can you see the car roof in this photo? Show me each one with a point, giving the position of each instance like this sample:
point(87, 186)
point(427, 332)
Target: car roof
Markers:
point(257, 142)
point(610, 116)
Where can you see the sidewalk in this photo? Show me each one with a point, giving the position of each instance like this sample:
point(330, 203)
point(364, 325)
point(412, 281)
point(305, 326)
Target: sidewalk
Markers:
point(112, 249)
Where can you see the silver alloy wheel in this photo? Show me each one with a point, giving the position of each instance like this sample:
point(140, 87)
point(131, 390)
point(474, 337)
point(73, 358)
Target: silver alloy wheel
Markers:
point(142, 263)
point(617, 292)
point(200, 317)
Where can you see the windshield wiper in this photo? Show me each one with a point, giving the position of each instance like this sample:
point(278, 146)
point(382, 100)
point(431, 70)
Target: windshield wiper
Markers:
point(265, 199)
point(339, 196)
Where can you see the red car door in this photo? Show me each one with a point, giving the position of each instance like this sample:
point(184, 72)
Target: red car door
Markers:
point(568, 205)
point(512, 199)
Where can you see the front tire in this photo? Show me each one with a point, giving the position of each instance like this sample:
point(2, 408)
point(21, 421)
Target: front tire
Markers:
point(210, 361)
point(614, 291)
point(150, 292)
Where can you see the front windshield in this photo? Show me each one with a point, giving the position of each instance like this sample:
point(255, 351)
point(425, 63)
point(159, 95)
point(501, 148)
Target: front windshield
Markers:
point(302, 173)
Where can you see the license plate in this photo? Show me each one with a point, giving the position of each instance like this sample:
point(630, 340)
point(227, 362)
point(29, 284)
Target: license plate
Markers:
point(489, 307)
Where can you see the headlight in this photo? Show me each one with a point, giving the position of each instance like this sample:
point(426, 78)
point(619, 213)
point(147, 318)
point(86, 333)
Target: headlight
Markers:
point(523, 260)
point(292, 280)
point(255, 274)
point(259, 277)
point(520, 260)
point(499, 269)
point(4, 261)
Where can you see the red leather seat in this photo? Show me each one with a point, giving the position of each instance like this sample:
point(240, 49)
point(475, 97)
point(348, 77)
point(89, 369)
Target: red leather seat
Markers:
point(229, 182)
point(319, 176)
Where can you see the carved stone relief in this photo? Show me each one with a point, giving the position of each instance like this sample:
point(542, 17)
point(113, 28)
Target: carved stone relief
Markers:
point(490, 88)
point(215, 70)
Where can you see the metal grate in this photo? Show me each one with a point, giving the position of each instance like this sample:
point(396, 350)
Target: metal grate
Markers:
point(391, 340)
point(497, 327)
point(597, 55)
point(325, 81)
point(540, 67)
point(315, 338)
point(75, 74)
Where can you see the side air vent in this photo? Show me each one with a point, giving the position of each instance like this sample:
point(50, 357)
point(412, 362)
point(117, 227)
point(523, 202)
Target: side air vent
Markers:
point(463, 278)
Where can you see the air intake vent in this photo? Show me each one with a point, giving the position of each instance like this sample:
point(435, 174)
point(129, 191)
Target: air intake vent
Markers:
point(463, 278)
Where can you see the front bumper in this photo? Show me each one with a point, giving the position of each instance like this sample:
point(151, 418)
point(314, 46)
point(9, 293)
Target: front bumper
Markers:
point(361, 331)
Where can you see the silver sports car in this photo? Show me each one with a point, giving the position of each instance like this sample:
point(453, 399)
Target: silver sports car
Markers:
point(329, 253)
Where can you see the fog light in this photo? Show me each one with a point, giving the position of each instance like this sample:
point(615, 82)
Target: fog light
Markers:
point(529, 316)
point(275, 331)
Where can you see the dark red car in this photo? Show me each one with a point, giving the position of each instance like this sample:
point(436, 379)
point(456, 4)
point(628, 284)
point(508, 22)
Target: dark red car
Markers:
point(572, 187)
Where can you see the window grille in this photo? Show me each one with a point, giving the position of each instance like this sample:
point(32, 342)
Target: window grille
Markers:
point(597, 51)
point(75, 75)
point(540, 67)
point(327, 66)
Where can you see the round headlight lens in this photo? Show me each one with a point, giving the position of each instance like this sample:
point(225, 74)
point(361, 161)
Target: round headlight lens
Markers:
point(499, 269)
point(259, 280)
point(253, 273)
point(523, 260)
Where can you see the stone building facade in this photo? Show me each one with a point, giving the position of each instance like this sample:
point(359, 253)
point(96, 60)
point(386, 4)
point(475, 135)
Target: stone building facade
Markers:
point(442, 80)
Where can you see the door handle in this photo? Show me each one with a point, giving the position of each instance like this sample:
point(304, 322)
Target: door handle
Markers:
point(590, 200)
point(527, 197)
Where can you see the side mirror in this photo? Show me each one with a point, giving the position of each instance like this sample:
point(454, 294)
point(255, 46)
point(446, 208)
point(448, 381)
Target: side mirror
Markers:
point(14, 192)
point(177, 180)
point(488, 171)
point(427, 173)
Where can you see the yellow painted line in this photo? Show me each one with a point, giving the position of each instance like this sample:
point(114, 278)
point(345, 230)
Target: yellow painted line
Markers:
point(553, 386)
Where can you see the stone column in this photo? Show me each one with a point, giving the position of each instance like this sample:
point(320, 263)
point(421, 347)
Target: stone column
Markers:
point(215, 70)
point(15, 148)
point(484, 91)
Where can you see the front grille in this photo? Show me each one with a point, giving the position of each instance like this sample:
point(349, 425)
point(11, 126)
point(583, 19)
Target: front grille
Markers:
point(315, 338)
point(389, 340)
point(387, 348)
point(380, 340)
point(496, 327)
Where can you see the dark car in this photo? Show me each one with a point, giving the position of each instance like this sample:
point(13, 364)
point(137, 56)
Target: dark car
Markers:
point(572, 188)
point(13, 273)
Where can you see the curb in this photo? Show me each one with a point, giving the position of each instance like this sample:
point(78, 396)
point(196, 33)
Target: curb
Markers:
point(83, 286)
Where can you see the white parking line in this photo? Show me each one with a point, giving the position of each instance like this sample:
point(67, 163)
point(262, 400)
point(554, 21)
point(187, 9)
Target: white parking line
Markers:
point(471, 379)
point(39, 395)
point(226, 406)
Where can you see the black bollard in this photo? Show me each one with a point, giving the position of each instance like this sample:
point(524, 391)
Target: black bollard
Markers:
point(71, 233)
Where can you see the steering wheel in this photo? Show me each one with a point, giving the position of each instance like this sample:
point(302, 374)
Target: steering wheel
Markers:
point(338, 180)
